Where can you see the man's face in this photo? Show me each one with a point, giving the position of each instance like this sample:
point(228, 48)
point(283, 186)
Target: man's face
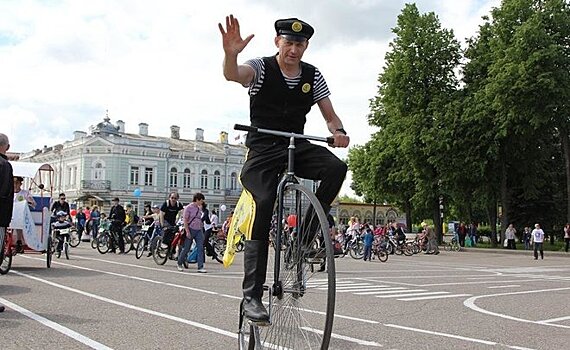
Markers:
point(115, 202)
point(62, 199)
point(291, 52)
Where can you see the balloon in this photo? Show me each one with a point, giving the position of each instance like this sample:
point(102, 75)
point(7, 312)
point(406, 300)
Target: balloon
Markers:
point(137, 192)
point(73, 212)
point(223, 207)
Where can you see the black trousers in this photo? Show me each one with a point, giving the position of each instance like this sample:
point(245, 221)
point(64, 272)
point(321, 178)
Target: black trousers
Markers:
point(261, 172)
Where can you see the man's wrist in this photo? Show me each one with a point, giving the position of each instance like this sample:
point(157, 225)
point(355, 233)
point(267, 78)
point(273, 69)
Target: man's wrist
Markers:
point(341, 130)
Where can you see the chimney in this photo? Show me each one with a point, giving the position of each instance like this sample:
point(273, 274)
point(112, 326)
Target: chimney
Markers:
point(223, 137)
point(143, 129)
point(175, 132)
point(79, 134)
point(199, 134)
point(121, 126)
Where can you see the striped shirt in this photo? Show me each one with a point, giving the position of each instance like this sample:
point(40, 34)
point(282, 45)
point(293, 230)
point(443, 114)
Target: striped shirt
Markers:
point(320, 90)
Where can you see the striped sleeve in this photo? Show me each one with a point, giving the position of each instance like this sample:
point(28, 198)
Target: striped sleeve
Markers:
point(259, 68)
point(321, 89)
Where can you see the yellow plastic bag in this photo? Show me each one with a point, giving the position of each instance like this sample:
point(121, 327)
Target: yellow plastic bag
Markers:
point(242, 222)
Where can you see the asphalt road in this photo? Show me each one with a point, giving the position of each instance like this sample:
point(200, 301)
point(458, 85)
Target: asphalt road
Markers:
point(450, 301)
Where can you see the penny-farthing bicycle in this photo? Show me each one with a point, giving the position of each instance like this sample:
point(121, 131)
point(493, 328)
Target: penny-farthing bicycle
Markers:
point(300, 301)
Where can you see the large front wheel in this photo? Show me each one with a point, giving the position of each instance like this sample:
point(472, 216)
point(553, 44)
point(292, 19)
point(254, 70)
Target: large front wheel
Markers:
point(302, 303)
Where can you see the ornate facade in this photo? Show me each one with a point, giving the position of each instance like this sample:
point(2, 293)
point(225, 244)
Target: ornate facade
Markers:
point(106, 162)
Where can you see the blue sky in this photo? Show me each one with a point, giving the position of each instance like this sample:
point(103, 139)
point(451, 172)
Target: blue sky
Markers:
point(64, 63)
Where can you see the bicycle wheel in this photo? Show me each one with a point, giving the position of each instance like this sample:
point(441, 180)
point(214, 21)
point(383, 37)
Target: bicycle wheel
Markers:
point(456, 247)
point(220, 246)
point(128, 242)
point(160, 252)
point(94, 243)
point(447, 246)
point(302, 312)
point(103, 242)
point(74, 238)
point(6, 261)
point(357, 250)
point(66, 249)
point(49, 252)
point(382, 255)
point(141, 247)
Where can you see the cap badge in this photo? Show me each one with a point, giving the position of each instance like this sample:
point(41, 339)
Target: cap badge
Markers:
point(297, 27)
point(306, 87)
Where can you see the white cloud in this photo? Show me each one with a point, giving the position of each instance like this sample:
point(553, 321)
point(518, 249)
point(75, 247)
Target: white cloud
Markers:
point(65, 62)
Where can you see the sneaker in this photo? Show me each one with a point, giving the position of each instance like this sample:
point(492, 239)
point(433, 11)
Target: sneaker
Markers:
point(436, 252)
point(180, 267)
point(149, 254)
point(202, 270)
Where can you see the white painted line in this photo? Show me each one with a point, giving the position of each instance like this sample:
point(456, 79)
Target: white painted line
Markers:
point(437, 297)
point(383, 289)
point(364, 289)
point(477, 282)
point(391, 292)
point(404, 294)
point(555, 319)
point(196, 289)
point(474, 340)
point(56, 326)
point(470, 303)
point(343, 337)
point(509, 286)
point(356, 286)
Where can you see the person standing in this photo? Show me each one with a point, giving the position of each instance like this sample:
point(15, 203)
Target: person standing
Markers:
point(538, 240)
point(117, 217)
point(80, 221)
point(368, 239)
point(282, 90)
point(208, 226)
point(95, 220)
point(510, 235)
point(473, 234)
point(168, 217)
point(527, 238)
point(6, 193)
point(462, 232)
point(432, 247)
point(566, 237)
point(194, 228)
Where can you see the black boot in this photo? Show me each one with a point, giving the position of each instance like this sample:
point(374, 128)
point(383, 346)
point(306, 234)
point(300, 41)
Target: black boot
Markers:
point(255, 268)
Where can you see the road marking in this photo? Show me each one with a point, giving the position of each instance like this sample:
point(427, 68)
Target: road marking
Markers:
point(194, 289)
point(470, 303)
point(406, 294)
point(474, 340)
point(380, 291)
point(152, 312)
point(555, 319)
point(437, 297)
point(351, 286)
point(391, 292)
point(343, 337)
point(477, 282)
point(365, 289)
point(56, 326)
point(509, 286)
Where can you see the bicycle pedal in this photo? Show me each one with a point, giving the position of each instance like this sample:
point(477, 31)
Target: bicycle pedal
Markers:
point(258, 323)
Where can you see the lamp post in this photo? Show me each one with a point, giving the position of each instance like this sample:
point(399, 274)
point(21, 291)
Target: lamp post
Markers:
point(441, 216)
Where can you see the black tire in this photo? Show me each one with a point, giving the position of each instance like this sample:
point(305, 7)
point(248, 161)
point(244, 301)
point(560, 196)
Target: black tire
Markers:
point(66, 249)
point(240, 246)
point(291, 326)
point(142, 246)
point(74, 238)
point(103, 242)
point(94, 243)
point(159, 253)
point(407, 249)
point(382, 255)
point(356, 251)
point(49, 253)
point(220, 246)
point(128, 242)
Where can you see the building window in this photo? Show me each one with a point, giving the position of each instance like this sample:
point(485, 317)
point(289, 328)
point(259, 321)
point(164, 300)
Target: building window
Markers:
point(187, 178)
point(134, 179)
point(204, 179)
point(148, 176)
point(217, 180)
point(173, 180)
point(98, 172)
point(233, 181)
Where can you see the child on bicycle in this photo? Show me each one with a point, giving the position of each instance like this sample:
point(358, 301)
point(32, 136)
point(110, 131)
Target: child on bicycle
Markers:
point(60, 224)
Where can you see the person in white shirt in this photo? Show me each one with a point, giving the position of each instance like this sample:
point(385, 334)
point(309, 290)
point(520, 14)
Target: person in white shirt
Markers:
point(21, 195)
point(537, 237)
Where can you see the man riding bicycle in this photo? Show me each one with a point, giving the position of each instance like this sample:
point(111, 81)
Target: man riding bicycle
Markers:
point(117, 217)
point(282, 90)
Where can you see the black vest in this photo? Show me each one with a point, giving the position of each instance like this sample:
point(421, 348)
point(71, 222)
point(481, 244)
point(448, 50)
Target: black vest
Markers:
point(277, 107)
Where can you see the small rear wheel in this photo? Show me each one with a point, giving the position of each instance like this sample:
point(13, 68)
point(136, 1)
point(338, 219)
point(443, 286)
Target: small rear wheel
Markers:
point(141, 247)
point(74, 238)
point(103, 242)
point(49, 252)
point(66, 249)
point(6, 262)
point(160, 252)
point(382, 255)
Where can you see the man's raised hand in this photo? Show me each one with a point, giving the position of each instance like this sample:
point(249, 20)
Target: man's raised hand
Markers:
point(231, 38)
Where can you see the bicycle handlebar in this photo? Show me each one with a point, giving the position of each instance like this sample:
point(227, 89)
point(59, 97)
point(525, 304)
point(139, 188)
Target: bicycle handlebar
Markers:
point(248, 128)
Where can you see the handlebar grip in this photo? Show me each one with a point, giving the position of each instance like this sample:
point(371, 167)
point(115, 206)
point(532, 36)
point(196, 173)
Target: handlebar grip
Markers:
point(242, 127)
point(330, 140)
